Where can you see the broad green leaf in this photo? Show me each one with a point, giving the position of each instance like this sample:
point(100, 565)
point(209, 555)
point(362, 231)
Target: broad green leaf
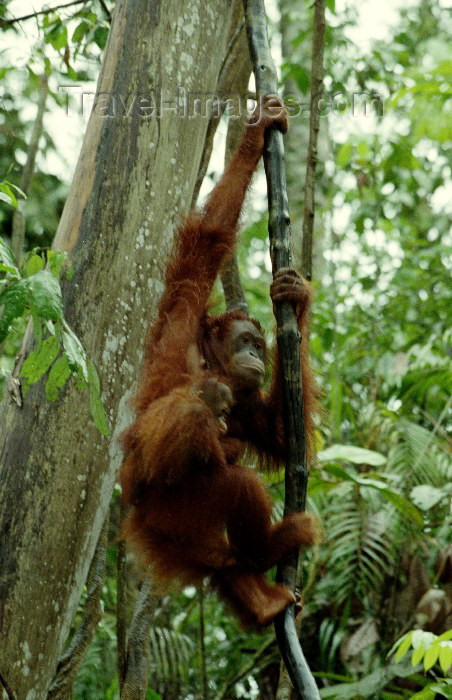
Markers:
point(444, 688)
point(57, 36)
point(8, 199)
point(445, 656)
point(404, 506)
point(7, 261)
point(441, 689)
point(11, 272)
point(431, 657)
point(75, 352)
point(93, 378)
point(300, 75)
point(426, 496)
point(13, 301)
point(34, 264)
point(56, 260)
point(40, 360)
point(424, 694)
point(97, 408)
point(44, 295)
point(15, 187)
point(80, 31)
point(344, 154)
point(445, 636)
point(58, 376)
point(363, 150)
point(405, 644)
point(7, 191)
point(101, 36)
point(349, 453)
point(417, 655)
point(99, 415)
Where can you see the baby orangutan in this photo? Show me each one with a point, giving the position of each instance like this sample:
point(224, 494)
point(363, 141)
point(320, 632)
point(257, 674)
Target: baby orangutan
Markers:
point(196, 512)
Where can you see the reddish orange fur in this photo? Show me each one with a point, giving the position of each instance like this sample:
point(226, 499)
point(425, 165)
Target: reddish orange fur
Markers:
point(195, 512)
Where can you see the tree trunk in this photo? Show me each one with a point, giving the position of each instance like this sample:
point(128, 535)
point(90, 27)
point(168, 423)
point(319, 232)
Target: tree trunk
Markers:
point(133, 181)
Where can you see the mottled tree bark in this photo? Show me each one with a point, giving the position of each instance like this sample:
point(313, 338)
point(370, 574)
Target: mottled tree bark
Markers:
point(133, 181)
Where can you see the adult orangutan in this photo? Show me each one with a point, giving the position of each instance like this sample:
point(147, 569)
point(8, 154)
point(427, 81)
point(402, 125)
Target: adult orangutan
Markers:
point(196, 512)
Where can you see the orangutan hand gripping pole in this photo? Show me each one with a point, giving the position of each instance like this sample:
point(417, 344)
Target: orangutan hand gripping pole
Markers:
point(196, 512)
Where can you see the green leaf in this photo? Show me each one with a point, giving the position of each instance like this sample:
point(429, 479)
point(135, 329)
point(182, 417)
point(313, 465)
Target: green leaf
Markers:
point(15, 187)
point(404, 506)
point(13, 301)
point(99, 415)
point(445, 636)
point(101, 36)
point(344, 154)
point(44, 295)
point(424, 694)
point(75, 353)
point(7, 261)
point(426, 496)
point(417, 655)
point(445, 656)
point(34, 264)
point(93, 378)
point(431, 656)
point(444, 688)
point(8, 194)
point(8, 199)
point(300, 75)
point(57, 36)
point(40, 360)
point(363, 151)
point(80, 31)
point(56, 260)
point(58, 376)
point(349, 453)
point(405, 643)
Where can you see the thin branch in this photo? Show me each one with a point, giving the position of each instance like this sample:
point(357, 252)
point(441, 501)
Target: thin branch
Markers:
point(103, 5)
point(318, 45)
point(232, 42)
point(47, 11)
point(288, 337)
point(71, 661)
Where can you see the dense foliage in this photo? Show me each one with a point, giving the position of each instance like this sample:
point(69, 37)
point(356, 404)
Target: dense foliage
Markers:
point(380, 342)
